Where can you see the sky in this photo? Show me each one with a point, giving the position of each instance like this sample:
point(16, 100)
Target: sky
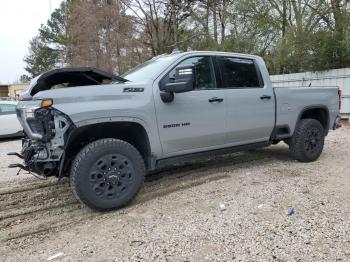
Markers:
point(19, 22)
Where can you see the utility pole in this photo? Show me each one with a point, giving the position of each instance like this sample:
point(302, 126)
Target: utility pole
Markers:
point(50, 6)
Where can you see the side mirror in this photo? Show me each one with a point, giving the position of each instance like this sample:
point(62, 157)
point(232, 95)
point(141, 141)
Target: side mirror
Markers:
point(183, 82)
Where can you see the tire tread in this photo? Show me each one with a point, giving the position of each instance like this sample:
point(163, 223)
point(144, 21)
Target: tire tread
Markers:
point(106, 142)
point(296, 147)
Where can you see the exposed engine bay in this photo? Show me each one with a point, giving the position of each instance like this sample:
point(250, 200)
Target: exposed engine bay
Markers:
point(47, 128)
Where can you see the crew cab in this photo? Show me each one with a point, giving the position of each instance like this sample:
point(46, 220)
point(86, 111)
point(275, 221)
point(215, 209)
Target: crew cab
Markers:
point(107, 132)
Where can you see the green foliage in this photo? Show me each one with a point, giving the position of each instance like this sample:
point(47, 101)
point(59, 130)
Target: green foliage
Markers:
point(46, 49)
point(54, 32)
point(206, 43)
point(41, 57)
point(331, 51)
point(292, 36)
point(24, 79)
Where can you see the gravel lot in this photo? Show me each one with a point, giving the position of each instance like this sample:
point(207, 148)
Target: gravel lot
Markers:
point(233, 207)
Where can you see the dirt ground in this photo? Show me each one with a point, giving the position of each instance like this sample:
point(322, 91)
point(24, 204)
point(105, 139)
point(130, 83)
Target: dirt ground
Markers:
point(233, 207)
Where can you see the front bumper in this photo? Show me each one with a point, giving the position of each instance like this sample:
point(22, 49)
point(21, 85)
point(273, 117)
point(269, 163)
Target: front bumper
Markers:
point(36, 158)
point(47, 130)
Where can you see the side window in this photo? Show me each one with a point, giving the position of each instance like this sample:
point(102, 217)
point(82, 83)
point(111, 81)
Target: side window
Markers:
point(7, 109)
point(238, 73)
point(205, 78)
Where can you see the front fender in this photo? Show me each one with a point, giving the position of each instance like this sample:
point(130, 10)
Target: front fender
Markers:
point(152, 134)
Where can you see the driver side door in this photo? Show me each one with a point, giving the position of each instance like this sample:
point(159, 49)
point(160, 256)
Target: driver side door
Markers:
point(194, 121)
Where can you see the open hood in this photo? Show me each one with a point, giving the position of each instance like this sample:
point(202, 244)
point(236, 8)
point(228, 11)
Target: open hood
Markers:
point(69, 77)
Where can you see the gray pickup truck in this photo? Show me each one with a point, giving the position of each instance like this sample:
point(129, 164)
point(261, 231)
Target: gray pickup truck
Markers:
point(107, 132)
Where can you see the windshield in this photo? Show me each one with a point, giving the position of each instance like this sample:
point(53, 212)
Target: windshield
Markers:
point(149, 69)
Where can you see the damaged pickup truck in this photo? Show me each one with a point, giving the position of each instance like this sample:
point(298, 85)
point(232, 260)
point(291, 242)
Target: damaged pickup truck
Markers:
point(106, 132)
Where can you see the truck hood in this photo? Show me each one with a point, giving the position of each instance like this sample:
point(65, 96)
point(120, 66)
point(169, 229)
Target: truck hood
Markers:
point(68, 77)
point(82, 103)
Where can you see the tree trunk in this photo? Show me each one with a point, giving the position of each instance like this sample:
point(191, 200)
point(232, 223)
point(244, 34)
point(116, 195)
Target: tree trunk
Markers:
point(339, 18)
point(207, 19)
point(223, 20)
point(284, 19)
point(174, 21)
point(215, 25)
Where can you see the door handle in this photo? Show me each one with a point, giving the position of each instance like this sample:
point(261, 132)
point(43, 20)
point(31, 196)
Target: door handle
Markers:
point(263, 97)
point(215, 100)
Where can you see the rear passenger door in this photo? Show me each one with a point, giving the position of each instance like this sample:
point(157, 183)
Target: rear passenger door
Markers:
point(250, 109)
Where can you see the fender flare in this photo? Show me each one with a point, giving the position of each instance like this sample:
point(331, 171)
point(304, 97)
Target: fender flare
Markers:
point(306, 108)
point(155, 146)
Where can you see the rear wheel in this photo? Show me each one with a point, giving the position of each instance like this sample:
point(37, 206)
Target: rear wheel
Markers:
point(307, 142)
point(107, 174)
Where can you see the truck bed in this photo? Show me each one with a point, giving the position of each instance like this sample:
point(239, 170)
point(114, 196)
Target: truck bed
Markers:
point(293, 101)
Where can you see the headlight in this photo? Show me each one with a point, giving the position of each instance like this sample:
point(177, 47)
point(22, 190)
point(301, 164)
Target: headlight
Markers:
point(28, 107)
point(29, 113)
point(33, 124)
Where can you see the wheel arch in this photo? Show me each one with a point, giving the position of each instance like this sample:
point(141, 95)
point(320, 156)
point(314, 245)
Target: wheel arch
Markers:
point(132, 132)
point(317, 112)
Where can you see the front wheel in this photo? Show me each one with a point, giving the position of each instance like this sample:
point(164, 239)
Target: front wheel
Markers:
point(307, 142)
point(107, 174)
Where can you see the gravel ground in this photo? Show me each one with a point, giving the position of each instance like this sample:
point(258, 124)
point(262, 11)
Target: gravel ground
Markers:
point(233, 207)
point(7, 174)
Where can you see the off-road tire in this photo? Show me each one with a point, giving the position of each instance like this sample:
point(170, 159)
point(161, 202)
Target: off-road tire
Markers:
point(307, 142)
point(84, 177)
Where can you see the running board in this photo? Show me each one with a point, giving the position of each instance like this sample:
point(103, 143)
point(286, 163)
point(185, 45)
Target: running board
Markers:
point(193, 156)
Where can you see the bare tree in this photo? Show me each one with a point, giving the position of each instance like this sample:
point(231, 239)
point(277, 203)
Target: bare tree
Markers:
point(102, 35)
point(158, 21)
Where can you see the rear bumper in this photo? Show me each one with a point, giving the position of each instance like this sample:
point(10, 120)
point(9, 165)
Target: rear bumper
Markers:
point(337, 123)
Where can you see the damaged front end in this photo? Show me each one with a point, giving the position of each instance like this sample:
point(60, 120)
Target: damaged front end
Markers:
point(47, 130)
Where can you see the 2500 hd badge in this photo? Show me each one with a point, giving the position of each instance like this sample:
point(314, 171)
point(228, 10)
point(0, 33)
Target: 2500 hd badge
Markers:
point(176, 125)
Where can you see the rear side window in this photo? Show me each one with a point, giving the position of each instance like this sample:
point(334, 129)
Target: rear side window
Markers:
point(238, 73)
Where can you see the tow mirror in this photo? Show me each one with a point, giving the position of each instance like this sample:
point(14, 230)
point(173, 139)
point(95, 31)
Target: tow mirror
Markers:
point(183, 81)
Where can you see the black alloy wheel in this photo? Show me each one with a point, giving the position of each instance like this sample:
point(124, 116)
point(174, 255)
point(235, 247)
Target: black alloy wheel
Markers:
point(107, 174)
point(307, 142)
